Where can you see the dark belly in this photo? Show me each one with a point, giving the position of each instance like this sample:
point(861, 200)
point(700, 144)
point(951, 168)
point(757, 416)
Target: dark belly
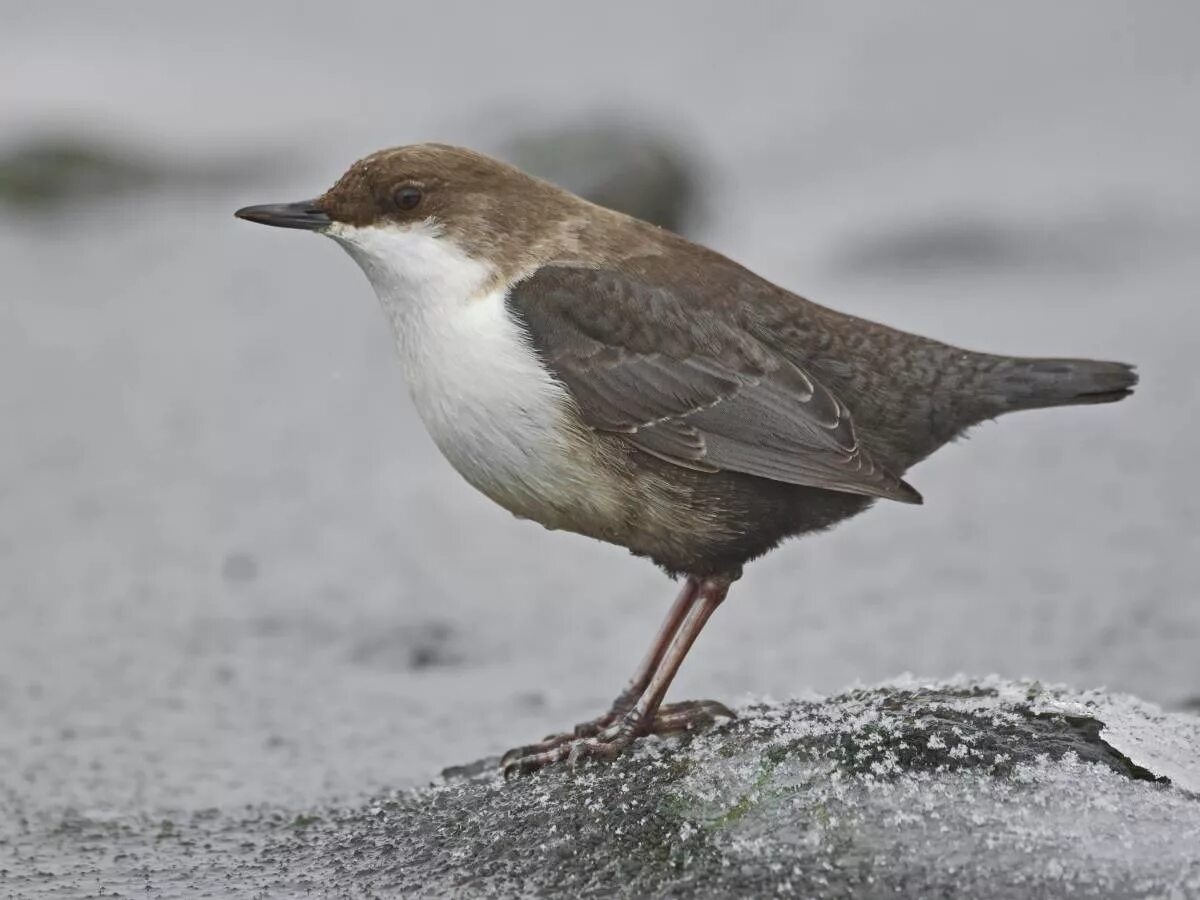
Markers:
point(701, 523)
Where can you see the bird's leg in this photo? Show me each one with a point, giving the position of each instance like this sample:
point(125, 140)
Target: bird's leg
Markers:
point(637, 684)
point(629, 697)
point(638, 720)
point(643, 716)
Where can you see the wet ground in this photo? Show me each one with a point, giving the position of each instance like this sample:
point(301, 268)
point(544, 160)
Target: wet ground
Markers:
point(988, 789)
point(233, 569)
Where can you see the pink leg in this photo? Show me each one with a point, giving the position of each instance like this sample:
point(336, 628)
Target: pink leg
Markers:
point(637, 684)
point(658, 649)
point(641, 717)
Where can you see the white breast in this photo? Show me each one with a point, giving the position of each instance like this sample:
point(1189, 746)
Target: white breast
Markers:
point(493, 409)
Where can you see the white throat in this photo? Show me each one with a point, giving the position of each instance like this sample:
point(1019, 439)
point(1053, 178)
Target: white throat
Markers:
point(419, 275)
point(493, 409)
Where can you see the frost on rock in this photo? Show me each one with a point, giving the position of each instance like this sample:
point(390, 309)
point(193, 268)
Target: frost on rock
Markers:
point(982, 789)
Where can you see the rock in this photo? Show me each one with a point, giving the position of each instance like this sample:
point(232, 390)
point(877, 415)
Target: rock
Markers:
point(414, 645)
point(634, 170)
point(1086, 240)
point(239, 567)
point(53, 171)
point(46, 171)
point(982, 789)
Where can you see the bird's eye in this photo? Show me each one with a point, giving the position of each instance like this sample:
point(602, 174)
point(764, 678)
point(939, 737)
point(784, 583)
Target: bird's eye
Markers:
point(407, 197)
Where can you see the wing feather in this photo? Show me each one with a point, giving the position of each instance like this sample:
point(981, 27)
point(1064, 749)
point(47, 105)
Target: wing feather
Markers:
point(705, 396)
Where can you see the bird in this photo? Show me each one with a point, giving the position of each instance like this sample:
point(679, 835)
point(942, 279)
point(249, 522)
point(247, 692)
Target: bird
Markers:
point(601, 375)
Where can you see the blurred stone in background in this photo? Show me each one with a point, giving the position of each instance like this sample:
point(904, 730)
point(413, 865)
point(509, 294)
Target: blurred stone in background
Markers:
point(58, 169)
point(1096, 237)
point(616, 163)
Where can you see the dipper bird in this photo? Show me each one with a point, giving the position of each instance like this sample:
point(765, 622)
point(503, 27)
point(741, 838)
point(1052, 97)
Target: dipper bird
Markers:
point(598, 374)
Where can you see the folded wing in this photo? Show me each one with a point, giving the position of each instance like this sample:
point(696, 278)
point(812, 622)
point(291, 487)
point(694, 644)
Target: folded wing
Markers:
point(683, 382)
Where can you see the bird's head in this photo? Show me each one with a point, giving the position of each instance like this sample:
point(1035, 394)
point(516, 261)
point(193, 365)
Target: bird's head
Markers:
point(405, 211)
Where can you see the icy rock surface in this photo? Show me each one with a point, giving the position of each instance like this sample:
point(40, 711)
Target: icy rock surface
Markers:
point(985, 789)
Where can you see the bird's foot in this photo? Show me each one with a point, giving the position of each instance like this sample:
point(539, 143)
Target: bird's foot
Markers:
point(606, 736)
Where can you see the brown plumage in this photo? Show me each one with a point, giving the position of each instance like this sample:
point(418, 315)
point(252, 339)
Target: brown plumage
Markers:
point(688, 409)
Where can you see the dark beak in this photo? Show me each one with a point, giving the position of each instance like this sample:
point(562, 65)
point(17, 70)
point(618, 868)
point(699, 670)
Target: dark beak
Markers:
point(304, 214)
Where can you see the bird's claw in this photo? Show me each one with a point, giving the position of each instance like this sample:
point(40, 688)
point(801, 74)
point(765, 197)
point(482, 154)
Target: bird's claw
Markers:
point(607, 736)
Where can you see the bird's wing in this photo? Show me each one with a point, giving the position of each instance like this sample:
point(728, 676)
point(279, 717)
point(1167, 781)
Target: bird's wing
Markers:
point(683, 382)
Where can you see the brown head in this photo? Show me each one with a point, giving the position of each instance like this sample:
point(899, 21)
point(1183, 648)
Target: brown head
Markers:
point(489, 209)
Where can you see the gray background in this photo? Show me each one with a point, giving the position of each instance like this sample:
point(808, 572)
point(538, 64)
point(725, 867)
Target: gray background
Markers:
point(233, 568)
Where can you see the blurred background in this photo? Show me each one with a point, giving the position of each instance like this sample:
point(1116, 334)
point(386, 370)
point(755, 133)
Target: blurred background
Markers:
point(233, 567)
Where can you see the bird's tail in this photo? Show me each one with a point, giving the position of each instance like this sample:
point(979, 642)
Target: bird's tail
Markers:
point(1017, 383)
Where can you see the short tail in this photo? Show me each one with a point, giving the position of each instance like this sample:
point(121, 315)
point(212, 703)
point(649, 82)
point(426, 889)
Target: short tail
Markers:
point(1035, 383)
